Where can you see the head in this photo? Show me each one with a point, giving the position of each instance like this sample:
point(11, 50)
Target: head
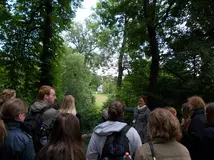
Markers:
point(210, 114)
point(7, 94)
point(186, 111)
point(13, 109)
point(47, 93)
point(196, 102)
point(172, 110)
point(142, 101)
point(68, 105)
point(116, 110)
point(162, 124)
point(65, 138)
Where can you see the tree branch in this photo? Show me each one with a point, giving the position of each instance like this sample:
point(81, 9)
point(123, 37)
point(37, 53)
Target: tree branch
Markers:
point(33, 14)
point(165, 16)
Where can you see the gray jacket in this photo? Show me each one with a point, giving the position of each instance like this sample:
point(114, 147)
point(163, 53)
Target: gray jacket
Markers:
point(49, 116)
point(100, 134)
point(141, 118)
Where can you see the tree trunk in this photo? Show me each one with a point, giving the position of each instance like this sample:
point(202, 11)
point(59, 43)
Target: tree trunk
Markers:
point(150, 13)
point(47, 55)
point(121, 55)
point(154, 68)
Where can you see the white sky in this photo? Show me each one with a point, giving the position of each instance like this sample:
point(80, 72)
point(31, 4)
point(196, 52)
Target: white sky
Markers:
point(85, 11)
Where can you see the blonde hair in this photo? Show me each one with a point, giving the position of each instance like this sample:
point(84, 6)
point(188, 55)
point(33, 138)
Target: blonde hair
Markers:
point(7, 94)
point(163, 124)
point(68, 105)
point(172, 110)
point(196, 102)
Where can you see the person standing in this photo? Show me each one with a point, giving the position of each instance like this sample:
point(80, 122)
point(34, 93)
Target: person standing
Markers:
point(141, 118)
point(15, 142)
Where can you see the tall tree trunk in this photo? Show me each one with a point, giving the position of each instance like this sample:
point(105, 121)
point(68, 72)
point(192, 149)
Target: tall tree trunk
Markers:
point(149, 13)
point(48, 54)
point(121, 55)
point(154, 68)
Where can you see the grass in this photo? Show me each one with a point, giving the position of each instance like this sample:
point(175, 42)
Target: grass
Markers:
point(100, 99)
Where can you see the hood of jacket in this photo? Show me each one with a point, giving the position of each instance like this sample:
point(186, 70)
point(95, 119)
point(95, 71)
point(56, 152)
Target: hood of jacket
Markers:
point(39, 105)
point(109, 127)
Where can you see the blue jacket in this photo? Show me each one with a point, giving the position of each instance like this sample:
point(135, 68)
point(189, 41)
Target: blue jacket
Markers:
point(18, 144)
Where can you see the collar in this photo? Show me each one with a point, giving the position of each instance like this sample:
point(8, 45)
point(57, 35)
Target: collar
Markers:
point(197, 112)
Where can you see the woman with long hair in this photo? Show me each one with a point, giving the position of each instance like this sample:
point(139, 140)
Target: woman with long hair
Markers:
point(163, 130)
point(15, 142)
point(65, 141)
point(68, 106)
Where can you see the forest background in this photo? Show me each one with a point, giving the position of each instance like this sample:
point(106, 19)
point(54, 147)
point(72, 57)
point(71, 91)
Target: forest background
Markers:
point(163, 49)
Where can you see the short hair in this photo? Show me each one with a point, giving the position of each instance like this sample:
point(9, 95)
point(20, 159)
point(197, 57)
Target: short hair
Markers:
point(12, 108)
point(196, 102)
point(163, 124)
point(210, 114)
point(44, 90)
point(115, 110)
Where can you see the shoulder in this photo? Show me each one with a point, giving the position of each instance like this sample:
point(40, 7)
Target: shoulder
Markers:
point(51, 112)
point(133, 135)
point(19, 139)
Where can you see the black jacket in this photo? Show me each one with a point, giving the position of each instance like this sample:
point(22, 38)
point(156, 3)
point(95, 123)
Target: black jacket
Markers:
point(192, 139)
point(18, 144)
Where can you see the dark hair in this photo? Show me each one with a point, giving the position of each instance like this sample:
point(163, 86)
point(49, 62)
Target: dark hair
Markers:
point(115, 110)
point(145, 98)
point(186, 111)
point(210, 114)
point(10, 110)
point(65, 141)
point(44, 90)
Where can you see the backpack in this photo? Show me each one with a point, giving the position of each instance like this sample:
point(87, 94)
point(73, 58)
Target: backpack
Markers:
point(33, 122)
point(116, 145)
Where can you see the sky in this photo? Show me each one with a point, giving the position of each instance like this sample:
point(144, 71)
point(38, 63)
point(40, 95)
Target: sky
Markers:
point(85, 10)
point(81, 14)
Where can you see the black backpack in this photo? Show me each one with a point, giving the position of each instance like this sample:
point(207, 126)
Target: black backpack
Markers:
point(116, 145)
point(33, 122)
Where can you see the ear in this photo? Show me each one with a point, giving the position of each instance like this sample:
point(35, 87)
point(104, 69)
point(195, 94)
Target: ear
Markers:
point(45, 97)
point(19, 117)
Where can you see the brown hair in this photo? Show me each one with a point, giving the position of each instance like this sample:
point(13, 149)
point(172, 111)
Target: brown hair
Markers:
point(68, 105)
point(210, 114)
point(44, 90)
point(196, 102)
point(6, 94)
point(164, 125)
point(186, 111)
point(145, 98)
point(115, 110)
point(65, 141)
point(172, 110)
point(10, 110)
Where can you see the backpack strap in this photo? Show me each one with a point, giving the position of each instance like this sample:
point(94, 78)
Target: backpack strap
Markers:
point(125, 129)
point(152, 150)
point(40, 113)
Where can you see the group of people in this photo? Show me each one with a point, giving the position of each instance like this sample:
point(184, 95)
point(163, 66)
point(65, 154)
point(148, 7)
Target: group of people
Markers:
point(156, 134)
point(17, 141)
